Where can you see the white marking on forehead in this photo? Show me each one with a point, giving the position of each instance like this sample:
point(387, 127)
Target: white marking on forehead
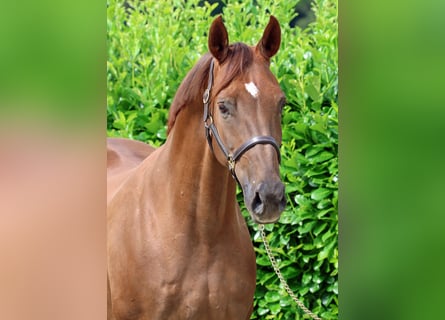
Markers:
point(252, 89)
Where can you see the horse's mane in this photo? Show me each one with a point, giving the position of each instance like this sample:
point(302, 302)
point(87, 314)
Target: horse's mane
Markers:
point(192, 88)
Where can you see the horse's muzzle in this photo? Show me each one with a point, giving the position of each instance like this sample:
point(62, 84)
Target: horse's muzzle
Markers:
point(266, 201)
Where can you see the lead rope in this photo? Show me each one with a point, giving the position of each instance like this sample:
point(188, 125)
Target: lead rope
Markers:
point(282, 280)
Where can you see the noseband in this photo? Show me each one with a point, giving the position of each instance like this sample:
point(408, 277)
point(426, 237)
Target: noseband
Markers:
point(212, 131)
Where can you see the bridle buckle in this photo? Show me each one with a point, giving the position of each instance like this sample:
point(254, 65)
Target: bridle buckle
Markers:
point(231, 162)
point(208, 122)
point(206, 96)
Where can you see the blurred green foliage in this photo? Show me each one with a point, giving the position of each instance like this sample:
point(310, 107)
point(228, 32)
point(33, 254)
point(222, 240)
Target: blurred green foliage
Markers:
point(151, 48)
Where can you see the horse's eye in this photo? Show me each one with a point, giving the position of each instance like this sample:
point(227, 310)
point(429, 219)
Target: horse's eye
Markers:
point(223, 109)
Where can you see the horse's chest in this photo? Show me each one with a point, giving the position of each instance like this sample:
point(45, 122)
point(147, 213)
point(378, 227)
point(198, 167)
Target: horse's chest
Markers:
point(198, 282)
point(210, 287)
point(172, 275)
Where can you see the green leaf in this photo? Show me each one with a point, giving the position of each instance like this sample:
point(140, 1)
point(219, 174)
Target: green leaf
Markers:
point(272, 296)
point(320, 228)
point(263, 260)
point(306, 279)
point(325, 203)
point(312, 151)
point(262, 311)
point(322, 157)
point(326, 251)
point(274, 308)
point(320, 194)
point(313, 92)
point(327, 235)
point(315, 172)
point(119, 124)
point(306, 227)
point(302, 200)
point(322, 213)
point(162, 133)
point(290, 272)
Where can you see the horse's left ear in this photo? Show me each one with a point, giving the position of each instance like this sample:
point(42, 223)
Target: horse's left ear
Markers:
point(271, 39)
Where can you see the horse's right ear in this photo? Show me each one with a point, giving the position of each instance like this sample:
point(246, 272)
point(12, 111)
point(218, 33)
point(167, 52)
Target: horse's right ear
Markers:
point(218, 39)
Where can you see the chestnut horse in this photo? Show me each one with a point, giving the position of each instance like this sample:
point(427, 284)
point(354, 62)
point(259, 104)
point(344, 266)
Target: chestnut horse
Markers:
point(178, 246)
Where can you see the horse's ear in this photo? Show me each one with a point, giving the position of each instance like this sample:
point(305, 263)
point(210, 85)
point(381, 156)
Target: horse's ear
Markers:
point(218, 39)
point(271, 39)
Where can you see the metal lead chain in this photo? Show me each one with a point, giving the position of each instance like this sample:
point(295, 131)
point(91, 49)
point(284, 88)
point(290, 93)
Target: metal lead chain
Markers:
point(280, 276)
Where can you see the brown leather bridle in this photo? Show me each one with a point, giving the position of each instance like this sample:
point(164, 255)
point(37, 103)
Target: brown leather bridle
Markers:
point(211, 130)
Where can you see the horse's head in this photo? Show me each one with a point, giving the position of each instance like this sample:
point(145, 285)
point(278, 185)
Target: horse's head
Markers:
point(245, 106)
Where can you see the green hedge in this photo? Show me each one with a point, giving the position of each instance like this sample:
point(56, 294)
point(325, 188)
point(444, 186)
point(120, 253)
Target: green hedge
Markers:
point(150, 50)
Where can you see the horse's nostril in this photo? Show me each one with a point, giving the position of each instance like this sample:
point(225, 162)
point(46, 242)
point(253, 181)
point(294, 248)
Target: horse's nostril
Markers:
point(283, 202)
point(257, 204)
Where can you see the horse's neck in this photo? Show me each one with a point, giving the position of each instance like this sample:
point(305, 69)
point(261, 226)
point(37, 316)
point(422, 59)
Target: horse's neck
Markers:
point(202, 188)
